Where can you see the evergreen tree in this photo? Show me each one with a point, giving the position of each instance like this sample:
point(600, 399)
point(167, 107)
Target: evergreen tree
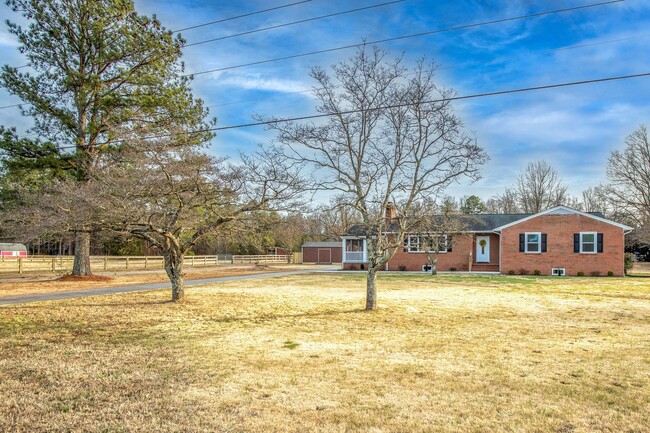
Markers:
point(97, 67)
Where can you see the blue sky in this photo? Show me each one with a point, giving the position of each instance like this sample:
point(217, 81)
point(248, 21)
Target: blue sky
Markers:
point(573, 128)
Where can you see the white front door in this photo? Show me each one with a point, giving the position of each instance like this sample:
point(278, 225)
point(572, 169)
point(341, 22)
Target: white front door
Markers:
point(482, 249)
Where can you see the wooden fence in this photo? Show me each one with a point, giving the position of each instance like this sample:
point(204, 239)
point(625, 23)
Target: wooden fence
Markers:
point(121, 263)
point(261, 259)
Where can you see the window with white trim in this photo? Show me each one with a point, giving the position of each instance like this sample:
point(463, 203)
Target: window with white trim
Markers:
point(533, 242)
point(435, 242)
point(354, 245)
point(412, 244)
point(421, 244)
point(588, 242)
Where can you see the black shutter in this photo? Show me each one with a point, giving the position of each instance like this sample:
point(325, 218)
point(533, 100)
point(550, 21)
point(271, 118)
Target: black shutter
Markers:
point(576, 242)
point(543, 242)
point(600, 242)
point(522, 242)
point(449, 242)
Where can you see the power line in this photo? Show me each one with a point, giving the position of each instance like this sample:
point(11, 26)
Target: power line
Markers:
point(453, 98)
point(432, 101)
point(240, 16)
point(224, 20)
point(461, 27)
point(14, 105)
point(571, 47)
point(292, 23)
point(415, 35)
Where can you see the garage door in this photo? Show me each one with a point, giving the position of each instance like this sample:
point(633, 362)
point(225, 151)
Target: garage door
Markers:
point(324, 256)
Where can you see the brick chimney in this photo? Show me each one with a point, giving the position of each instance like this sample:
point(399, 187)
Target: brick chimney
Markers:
point(391, 212)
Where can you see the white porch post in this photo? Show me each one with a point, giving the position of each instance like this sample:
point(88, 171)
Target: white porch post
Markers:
point(342, 253)
point(365, 251)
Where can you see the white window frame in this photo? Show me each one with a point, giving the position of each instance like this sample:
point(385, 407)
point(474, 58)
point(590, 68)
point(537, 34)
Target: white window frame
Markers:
point(539, 242)
point(412, 244)
point(595, 243)
point(363, 250)
point(446, 244)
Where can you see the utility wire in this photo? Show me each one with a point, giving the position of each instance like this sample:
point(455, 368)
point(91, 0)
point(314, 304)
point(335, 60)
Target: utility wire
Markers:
point(414, 35)
point(571, 47)
point(453, 98)
point(406, 104)
point(240, 16)
point(14, 105)
point(292, 23)
point(461, 27)
point(224, 20)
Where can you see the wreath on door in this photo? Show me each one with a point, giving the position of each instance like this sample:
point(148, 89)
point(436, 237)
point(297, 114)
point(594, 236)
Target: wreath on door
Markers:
point(482, 243)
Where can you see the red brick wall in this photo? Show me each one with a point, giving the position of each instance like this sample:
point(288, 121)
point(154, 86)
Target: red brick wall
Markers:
point(559, 230)
point(458, 257)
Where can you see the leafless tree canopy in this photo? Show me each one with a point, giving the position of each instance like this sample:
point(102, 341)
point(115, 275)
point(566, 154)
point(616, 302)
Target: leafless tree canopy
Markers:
point(628, 172)
point(335, 218)
point(503, 203)
point(170, 195)
point(539, 187)
point(392, 136)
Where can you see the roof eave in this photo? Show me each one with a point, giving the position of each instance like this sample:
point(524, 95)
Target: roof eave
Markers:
point(577, 212)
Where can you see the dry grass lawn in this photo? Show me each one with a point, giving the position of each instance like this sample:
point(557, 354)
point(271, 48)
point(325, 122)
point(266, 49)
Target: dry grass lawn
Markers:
point(641, 269)
point(11, 285)
point(295, 354)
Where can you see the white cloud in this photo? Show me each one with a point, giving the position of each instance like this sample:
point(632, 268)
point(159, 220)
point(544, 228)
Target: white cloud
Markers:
point(257, 82)
point(8, 40)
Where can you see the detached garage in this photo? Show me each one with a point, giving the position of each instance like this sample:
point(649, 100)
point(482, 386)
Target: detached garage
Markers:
point(322, 252)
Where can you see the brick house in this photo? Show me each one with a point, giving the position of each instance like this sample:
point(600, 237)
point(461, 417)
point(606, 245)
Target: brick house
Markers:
point(558, 241)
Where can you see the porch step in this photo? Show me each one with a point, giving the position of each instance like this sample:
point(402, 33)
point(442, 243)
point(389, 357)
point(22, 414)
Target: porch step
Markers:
point(485, 267)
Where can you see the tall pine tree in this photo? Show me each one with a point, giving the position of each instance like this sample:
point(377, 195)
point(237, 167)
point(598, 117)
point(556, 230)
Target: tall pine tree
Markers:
point(97, 67)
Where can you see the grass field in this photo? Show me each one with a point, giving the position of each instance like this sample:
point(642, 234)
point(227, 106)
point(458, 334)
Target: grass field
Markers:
point(295, 354)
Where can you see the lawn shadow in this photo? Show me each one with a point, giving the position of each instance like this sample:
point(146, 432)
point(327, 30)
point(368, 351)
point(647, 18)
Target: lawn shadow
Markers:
point(270, 317)
point(36, 305)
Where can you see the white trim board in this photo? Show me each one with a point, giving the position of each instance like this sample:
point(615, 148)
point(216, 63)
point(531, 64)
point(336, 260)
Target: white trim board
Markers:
point(563, 210)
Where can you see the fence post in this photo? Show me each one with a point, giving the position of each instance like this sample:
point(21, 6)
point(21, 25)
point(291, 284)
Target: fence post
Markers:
point(53, 264)
point(145, 262)
point(105, 262)
point(127, 263)
point(20, 265)
point(192, 261)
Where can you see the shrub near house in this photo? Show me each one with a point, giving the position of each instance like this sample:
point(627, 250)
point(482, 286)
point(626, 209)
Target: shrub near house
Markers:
point(559, 241)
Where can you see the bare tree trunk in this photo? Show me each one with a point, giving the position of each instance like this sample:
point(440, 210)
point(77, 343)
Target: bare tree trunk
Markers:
point(173, 258)
point(371, 290)
point(81, 264)
point(434, 266)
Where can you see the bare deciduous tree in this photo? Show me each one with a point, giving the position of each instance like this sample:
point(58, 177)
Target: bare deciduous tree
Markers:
point(628, 172)
point(594, 199)
point(539, 187)
point(503, 203)
point(389, 137)
point(170, 195)
point(336, 218)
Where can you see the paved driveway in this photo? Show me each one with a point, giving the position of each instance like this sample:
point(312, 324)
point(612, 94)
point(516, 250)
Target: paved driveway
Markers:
point(22, 299)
